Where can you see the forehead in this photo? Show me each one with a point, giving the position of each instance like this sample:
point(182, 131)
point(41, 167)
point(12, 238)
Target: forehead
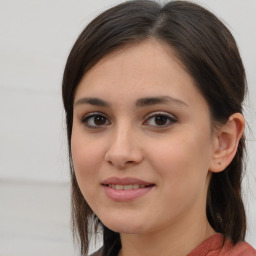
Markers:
point(149, 67)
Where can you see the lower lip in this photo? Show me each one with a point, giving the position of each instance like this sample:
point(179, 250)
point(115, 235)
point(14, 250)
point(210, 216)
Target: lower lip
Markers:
point(126, 195)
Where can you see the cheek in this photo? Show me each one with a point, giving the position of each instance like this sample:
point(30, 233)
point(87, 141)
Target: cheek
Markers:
point(183, 161)
point(86, 160)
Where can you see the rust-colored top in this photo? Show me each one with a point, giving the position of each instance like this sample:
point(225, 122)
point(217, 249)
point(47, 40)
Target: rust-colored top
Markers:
point(212, 246)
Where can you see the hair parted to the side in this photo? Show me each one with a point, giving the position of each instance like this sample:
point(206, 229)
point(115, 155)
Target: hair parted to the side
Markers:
point(209, 52)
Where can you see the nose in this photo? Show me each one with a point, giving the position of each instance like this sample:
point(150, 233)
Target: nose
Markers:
point(123, 149)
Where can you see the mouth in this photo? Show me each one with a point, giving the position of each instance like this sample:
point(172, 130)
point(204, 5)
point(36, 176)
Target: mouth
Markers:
point(126, 189)
point(127, 183)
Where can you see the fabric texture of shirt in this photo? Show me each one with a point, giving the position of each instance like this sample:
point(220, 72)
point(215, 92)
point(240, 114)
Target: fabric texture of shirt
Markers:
point(213, 246)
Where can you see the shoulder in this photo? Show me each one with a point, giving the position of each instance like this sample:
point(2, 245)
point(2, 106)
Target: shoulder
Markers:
point(241, 249)
point(214, 246)
point(98, 253)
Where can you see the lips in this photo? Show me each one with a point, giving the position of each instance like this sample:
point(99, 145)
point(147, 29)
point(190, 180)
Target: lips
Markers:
point(125, 181)
point(126, 189)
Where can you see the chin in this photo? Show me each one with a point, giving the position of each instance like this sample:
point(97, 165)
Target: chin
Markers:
point(124, 230)
point(125, 225)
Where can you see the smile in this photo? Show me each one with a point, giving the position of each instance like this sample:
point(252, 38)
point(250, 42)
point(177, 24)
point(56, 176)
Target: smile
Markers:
point(127, 187)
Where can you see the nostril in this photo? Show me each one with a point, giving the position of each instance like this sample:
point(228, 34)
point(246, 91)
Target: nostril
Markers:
point(109, 162)
point(129, 162)
point(119, 163)
point(121, 158)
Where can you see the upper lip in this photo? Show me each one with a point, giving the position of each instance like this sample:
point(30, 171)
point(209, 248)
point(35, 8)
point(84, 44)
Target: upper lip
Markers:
point(125, 181)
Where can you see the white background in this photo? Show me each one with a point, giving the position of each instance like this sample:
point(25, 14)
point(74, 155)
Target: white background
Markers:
point(35, 39)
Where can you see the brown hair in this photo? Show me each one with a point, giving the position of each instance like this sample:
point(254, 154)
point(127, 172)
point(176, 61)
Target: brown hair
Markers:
point(209, 52)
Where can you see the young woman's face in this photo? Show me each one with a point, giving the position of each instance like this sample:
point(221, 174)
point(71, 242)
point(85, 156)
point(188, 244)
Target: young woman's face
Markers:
point(142, 141)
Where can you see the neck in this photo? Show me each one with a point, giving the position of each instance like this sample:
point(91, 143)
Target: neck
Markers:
point(169, 241)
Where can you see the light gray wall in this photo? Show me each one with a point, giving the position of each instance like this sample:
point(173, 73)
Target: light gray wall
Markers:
point(35, 39)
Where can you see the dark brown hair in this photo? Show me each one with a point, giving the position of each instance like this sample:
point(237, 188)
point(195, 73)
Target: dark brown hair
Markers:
point(209, 52)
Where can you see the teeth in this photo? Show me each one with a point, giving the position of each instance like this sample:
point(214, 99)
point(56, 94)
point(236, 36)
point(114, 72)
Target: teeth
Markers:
point(126, 187)
point(119, 187)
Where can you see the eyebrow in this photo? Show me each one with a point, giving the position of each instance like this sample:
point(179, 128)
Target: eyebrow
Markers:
point(143, 102)
point(93, 101)
point(148, 101)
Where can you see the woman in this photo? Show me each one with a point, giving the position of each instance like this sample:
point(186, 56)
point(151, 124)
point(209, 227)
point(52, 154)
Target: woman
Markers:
point(153, 99)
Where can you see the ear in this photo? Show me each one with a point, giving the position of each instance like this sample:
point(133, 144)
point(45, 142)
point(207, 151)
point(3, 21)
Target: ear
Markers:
point(225, 142)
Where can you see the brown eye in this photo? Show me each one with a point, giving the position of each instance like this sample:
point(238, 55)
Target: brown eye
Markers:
point(100, 120)
point(160, 120)
point(95, 120)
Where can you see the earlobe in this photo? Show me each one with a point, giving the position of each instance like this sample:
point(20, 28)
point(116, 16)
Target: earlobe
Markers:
point(226, 142)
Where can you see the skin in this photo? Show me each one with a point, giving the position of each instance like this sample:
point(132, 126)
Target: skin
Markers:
point(176, 157)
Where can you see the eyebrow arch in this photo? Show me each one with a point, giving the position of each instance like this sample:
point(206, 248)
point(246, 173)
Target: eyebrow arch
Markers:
point(93, 101)
point(148, 101)
point(143, 102)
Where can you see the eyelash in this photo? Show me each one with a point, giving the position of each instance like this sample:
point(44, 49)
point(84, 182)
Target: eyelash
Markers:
point(85, 120)
point(169, 118)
